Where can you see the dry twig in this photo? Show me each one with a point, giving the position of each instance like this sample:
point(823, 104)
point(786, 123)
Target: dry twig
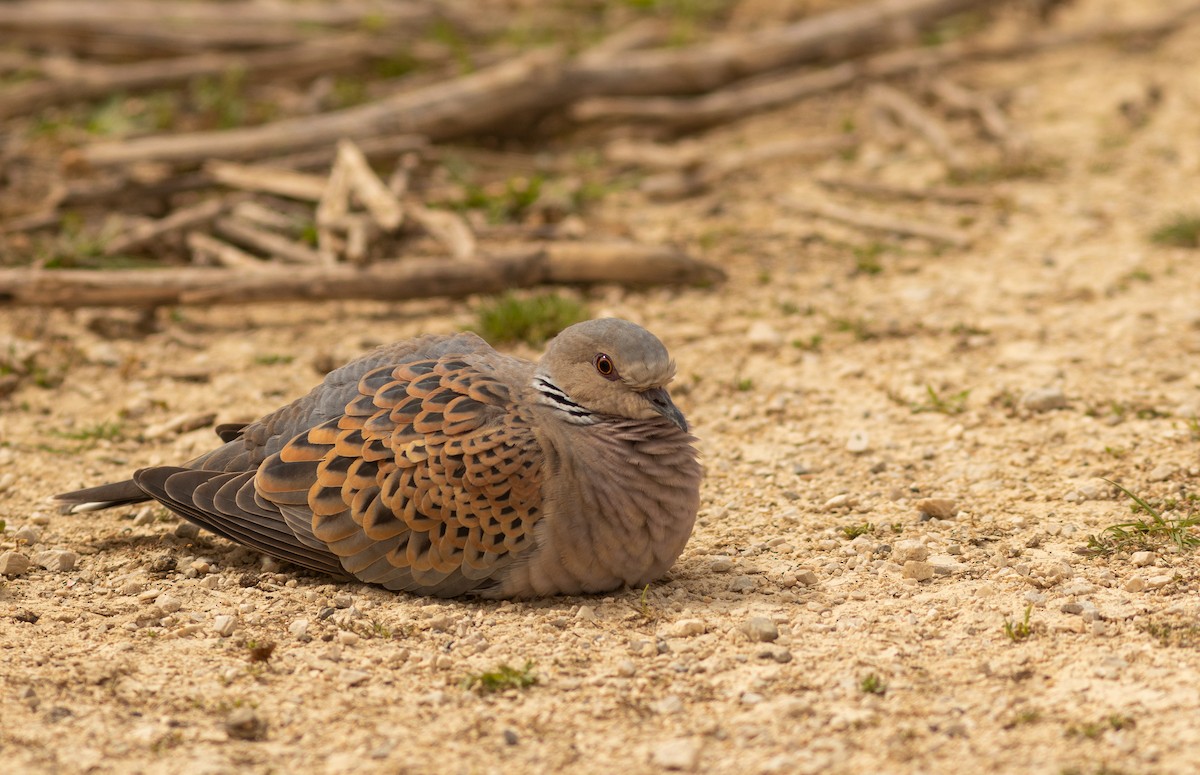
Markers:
point(877, 222)
point(906, 111)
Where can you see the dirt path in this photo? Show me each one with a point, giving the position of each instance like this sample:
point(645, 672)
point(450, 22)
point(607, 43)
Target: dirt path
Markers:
point(1012, 378)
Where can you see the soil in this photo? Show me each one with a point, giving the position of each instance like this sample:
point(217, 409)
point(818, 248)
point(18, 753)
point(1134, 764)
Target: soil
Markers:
point(838, 381)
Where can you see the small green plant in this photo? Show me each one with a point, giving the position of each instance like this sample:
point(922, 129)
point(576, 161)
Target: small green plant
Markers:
point(1181, 230)
point(272, 359)
point(744, 384)
point(854, 531)
point(952, 404)
point(811, 344)
point(1145, 533)
point(644, 607)
point(502, 678)
point(856, 326)
point(531, 319)
point(380, 630)
point(872, 684)
point(110, 431)
point(866, 258)
point(1024, 718)
point(259, 652)
point(503, 206)
point(1173, 634)
point(1018, 631)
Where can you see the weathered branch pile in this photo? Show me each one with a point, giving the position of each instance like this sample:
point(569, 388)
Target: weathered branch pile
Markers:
point(297, 207)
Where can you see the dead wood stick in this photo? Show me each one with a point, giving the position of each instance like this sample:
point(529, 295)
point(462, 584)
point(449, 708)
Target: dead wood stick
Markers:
point(906, 110)
point(208, 250)
point(948, 194)
point(391, 281)
point(766, 93)
point(440, 110)
point(366, 185)
point(540, 80)
point(268, 242)
point(118, 14)
point(331, 54)
point(259, 214)
point(878, 222)
point(373, 148)
point(183, 218)
point(269, 180)
point(993, 121)
point(449, 228)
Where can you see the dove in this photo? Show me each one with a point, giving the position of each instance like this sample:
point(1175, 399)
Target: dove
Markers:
point(439, 466)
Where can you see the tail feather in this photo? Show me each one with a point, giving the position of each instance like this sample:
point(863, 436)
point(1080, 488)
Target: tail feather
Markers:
point(104, 496)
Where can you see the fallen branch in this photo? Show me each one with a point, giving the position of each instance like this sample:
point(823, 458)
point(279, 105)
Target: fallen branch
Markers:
point(210, 251)
point(948, 194)
point(391, 281)
point(446, 109)
point(859, 218)
point(545, 79)
point(275, 245)
point(755, 95)
point(92, 80)
point(906, 111)
point(991, 118)
point(182, 219)
point(267, 180)
point(380, 202)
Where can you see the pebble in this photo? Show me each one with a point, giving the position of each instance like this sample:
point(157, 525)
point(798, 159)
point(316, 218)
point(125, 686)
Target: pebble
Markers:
point(352, 677)
point(1142, 559)
point(224, 625)
point(721, 565)
point(807, 578)
point(937, 508)
point(915, 569)
point(131, 588)
point(13, 564)
point(586, 613)
point(677, 754)
point(686, 628)
point(144, 517)
point(909, 549)
point(777, 653)
point(859, 442)
point(347, 638)
point(244, 724)
point(168, 603)
point(626, 668)
point(743, 584)
point(186, 530)
point(760, 629)
point(1044, 399)
point(843, 501)
point(761, 336)
point(1162, 472)
point(667, 706)
point(1135, 584)
point(27, 534)
point(298, 628)
point(1154, 582)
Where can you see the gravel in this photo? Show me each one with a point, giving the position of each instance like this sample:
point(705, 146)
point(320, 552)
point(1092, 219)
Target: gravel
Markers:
point(13, 564)
point(760, 629)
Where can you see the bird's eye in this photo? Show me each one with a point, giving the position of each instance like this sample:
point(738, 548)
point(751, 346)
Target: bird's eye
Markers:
point(604, 365)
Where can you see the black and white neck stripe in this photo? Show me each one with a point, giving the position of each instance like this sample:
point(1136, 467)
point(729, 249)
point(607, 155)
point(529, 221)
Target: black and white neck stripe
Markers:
point(551, 395)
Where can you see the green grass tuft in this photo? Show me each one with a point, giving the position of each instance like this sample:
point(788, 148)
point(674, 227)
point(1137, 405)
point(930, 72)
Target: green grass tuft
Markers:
point(1181, 230)
point(952, 404)
point(1018, 631)
point(872, 684)
point(504, 677)
point(531, 319)
point(1144, 533)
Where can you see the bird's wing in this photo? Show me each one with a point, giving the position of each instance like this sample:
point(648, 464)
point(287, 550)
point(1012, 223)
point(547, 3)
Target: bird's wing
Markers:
point(428, 481)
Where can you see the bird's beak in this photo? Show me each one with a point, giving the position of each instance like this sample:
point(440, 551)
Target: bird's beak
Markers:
point(662, 403)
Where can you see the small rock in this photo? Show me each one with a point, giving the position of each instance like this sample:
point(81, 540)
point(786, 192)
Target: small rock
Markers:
point(760, 629)
point(678, 754)
point(843, 501)
point(168, 603)
point(915, 569)
point(144, 517)
point(909, 549)
point(1135, 584)
point(244, 724)
point(131, 588)
point(347, 638)
point(186, 530)
point(626, 668)
point(859, 442)
point(686, 628)
point(743, 584)
point(27, 535)
point(224, 625)
point(57, 560)
point(13, 564)
point(807, 577)
point(1044, 399)
point(1072, 608)
point(510, 737)
point(937, 508)
point(1162, 472)
point(761, 336)
point(352, 677)
point(586, 613)
point(667, 706)
point(1142, 559)
point(721, 565)
point(298, 628)
point(777, 653)
point(1154, 582)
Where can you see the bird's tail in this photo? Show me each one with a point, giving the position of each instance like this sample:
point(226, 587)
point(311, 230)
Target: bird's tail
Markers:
point(103, 497)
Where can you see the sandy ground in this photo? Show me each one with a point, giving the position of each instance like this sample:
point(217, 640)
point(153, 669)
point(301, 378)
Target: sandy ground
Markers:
point(1066, 338)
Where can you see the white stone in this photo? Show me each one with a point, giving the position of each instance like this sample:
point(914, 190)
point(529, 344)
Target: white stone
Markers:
point(57, 560)
point(859, 442)
point(1142, 559)
point(843, 501)
point(760, 629)
point(909, 549)
point(224, 625)
point(761, 336)
point(13, 564)
point(1162, 472)
point(1135, 584)
point(915, 569)
point(1044, 399)
point(686, 628)
point(678, 754)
